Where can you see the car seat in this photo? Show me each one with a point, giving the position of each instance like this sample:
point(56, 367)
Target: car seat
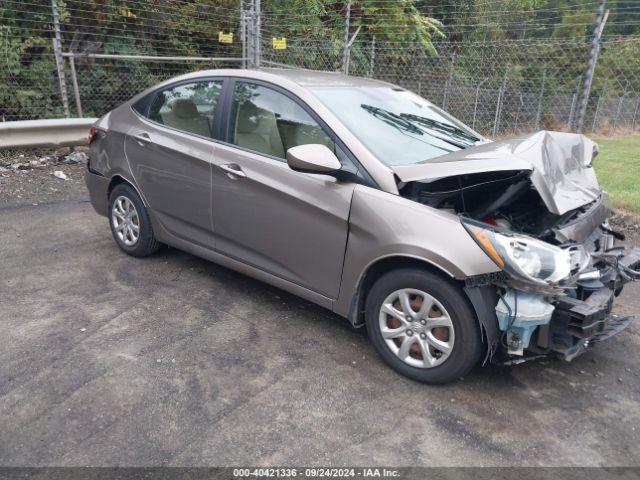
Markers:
point(184, 116)
point(257, 129)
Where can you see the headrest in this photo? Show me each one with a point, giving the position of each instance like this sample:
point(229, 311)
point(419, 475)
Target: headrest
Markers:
point(184, 108)
point(251, 117)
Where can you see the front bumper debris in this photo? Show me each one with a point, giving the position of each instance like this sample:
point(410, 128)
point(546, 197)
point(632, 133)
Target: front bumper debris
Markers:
point(577, 324)
point(582, 312)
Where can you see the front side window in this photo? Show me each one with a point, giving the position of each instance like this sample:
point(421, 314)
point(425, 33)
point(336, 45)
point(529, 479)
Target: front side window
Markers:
point(396, 125)
point(268, 122)
point(189, 107)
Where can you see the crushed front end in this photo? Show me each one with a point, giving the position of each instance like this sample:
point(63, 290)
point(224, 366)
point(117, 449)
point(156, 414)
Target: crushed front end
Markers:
point(534, 206)
point(564, 317)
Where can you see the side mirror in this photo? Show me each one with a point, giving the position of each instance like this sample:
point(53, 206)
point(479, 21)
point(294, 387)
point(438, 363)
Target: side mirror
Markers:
point(313, 158)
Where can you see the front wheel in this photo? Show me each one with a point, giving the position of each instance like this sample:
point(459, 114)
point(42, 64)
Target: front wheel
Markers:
point(422, 325)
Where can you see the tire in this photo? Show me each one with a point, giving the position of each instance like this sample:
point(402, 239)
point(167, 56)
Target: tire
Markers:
point(450, 309)
point(145, 243)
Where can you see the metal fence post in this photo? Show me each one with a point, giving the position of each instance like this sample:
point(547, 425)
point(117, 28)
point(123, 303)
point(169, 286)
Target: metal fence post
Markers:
point(540, 98)
point(74, 83)
point(372, 56)
point(571, 110)
point(496, 122)
point(619, 110)
point(595, 115)
point(243, 34)
point(601, 19)
point(635, 114)
point(250, 33)
point(346, 48)
point(257, 51)
point(475, 105)
point(447, 84)
point(57, 50)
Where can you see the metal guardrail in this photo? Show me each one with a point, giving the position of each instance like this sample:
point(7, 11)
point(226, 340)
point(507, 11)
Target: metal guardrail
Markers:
point(59, 132)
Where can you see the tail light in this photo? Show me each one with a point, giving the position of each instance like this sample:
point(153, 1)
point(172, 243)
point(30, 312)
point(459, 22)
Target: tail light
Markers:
point(92, 134)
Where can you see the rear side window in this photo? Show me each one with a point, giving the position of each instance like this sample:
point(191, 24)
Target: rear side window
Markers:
point(142, 105)
point(189, 107)
point(268, 122)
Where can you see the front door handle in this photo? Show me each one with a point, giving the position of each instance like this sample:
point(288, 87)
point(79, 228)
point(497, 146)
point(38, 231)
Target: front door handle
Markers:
point(142, 138)
point(233, 169)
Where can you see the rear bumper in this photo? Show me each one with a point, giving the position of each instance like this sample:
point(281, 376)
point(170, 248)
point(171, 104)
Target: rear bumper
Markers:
point(98, 186)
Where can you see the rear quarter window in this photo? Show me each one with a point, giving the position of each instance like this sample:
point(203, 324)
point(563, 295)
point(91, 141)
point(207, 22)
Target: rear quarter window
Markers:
point(142, 105)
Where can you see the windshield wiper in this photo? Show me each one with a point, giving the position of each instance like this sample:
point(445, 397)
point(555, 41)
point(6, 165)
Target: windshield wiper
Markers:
point(406, 127)
point(392, 119)
point(440, 126)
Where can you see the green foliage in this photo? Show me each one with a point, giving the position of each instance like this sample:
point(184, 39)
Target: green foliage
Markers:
point(398, 22)
point(27, 80)
point(408, 29)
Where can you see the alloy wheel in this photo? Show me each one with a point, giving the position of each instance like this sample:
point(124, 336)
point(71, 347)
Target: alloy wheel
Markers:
point(125, 220)
point(416, 328)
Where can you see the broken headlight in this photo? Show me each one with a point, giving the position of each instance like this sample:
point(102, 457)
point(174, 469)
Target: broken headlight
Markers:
point(523, 256)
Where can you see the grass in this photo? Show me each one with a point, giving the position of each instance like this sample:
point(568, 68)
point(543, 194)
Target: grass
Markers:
point(618, 169)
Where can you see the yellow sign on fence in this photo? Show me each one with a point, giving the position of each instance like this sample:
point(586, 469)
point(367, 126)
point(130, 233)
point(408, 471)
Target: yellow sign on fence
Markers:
point(225, 37)
point(279, 43)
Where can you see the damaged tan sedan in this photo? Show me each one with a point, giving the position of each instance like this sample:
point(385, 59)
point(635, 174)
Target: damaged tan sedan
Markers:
point(367, 199)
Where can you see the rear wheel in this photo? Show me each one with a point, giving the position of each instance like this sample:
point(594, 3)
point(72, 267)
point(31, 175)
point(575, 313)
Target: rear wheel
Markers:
point(422, 326)
point(130, 223)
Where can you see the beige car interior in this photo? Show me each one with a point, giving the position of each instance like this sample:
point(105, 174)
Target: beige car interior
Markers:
point(183, 114)
point(257, 129)
point(260, 130)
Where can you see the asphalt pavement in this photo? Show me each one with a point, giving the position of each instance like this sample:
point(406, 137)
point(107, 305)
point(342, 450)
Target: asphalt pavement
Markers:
point(108, 360)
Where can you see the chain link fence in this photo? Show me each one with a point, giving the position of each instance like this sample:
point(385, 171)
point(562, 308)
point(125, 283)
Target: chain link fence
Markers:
point(105, 83)
point(497, 87)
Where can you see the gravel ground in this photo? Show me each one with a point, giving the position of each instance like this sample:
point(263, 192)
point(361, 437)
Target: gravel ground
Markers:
point(172, 360)
point(29, 179)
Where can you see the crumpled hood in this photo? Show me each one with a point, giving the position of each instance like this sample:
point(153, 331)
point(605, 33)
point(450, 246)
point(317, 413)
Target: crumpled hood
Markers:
point(560, 165)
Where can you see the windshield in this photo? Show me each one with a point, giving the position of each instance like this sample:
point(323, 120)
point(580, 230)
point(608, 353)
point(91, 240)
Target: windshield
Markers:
point(398, 126)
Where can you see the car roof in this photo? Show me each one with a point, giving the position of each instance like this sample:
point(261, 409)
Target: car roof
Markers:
point(301, 77)
point(314, 78)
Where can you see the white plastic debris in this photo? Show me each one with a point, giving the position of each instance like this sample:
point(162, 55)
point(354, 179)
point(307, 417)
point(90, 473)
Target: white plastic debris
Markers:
point(83, 329)
point(77, 157)
point(60, 174)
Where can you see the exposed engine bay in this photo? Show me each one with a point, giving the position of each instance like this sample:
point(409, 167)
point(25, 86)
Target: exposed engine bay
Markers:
point(534, 206)
point(506, 199)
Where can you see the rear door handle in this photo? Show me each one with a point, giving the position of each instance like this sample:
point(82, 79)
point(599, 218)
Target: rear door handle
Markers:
point(142, 138)
point(233, 169)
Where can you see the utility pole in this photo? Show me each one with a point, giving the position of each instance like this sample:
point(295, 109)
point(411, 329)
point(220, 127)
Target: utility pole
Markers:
point(601, 20)
point(347, 46)
point(57, 50)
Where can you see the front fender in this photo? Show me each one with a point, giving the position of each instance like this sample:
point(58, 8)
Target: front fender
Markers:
point(383, 225)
